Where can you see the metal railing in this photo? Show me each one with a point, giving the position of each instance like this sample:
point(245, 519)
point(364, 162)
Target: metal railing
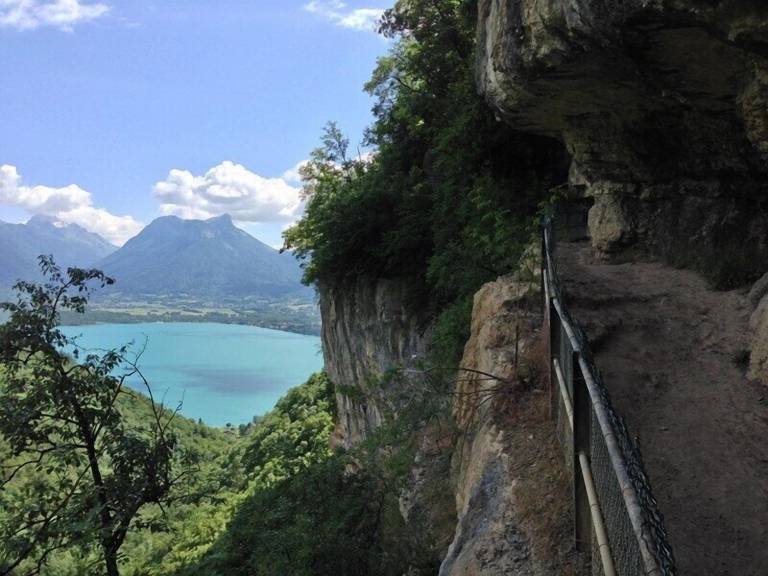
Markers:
point(616, 517)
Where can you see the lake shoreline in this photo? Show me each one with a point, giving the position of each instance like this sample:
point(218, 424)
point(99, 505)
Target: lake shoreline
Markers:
point(99, 317)
point(221, 373)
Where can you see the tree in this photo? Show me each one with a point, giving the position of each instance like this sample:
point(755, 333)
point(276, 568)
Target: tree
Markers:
point(451, 196)
point(294, 435)
point(73, 473)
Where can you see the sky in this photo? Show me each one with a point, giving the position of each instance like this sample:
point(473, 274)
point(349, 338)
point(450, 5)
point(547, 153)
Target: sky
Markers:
point(115, 112)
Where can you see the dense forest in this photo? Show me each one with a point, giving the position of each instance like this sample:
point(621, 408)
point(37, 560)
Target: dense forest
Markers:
point(447, 200)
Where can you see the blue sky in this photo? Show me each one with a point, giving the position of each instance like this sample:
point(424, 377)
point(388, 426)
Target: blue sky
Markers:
point(114, 112)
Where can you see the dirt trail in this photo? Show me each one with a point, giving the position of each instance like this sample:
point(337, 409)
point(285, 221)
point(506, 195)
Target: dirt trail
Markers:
point(672, 355)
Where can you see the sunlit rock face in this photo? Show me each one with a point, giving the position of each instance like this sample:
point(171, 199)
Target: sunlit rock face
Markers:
point(662, 106)
point(489, 538)
point(507, 462)
point(368, 328)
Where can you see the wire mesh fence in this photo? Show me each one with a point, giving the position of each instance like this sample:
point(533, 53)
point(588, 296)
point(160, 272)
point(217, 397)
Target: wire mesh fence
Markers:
point(617, 519)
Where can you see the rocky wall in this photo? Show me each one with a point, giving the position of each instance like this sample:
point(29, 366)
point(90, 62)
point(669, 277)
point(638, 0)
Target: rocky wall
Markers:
point(511, 487)
point(368, 328)
point(662, 107)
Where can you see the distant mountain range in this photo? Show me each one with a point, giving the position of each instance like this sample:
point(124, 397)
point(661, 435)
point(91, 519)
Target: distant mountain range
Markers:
point(204, 259)
point(70, 244)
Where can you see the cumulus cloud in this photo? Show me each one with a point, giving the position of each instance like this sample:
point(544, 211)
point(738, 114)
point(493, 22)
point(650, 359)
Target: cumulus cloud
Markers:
point(338, 12)
point(69, 204)
point(232, 189)
point(293, 175)
point(62, 14)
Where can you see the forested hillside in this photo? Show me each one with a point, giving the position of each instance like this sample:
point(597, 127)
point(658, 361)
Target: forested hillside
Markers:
point(244, 473)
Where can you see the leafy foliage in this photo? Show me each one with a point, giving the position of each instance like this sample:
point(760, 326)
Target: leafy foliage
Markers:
point(75, 474)
point(309, 510)
point(321, 521)
point(449, 196)
point(182, 531)
point(293, 436)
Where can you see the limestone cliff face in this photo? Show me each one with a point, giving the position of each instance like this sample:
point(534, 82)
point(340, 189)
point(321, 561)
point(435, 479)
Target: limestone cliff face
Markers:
point(662, 107)
point(510, 482)
point(367, 329)
point(497, 501)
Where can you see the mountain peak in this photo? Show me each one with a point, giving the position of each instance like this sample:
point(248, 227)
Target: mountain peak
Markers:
point(203, 258)
point(44, 220)
point(70, 244)
point(172, 219)
point(223, 219)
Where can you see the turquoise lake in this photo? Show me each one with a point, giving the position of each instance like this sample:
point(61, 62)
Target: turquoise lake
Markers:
point(221, 372)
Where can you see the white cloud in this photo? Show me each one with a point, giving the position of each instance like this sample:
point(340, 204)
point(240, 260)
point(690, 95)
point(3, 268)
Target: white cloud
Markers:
point(365, 19)
point(362, 19)
point(292, 175)
point(69, 204)
point(232, 189)
point(117, 229)
point(62, 14)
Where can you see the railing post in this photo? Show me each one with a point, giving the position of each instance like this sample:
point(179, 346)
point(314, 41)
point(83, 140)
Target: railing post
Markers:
point(542, 270)
point(581, 444)
point(555, 334)
point(546, 314)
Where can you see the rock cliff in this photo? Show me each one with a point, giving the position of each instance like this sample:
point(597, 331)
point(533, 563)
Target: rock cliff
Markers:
point(367, 329)
point(758, 325)
point(662, 107)
point(371, 328)
point(507, 478)
point(510, 482)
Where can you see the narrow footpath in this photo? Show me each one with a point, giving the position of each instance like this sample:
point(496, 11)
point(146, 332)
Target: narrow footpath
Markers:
point(672, 354)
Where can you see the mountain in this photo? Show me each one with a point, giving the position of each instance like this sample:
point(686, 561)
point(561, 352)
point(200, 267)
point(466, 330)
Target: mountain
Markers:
point(201, 258)
point(70, 244)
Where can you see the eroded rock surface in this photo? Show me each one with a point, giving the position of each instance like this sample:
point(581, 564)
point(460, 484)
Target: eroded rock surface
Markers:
point(662, 106)
point(368, 328)
point(511, 493)
point(758, 328)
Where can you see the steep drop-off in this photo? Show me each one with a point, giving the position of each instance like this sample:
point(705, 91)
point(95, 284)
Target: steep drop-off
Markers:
point(507, 475)
point(367, 329)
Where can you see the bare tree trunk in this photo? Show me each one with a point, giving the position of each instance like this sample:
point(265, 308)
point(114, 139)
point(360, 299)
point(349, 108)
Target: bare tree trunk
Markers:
point(110, 558)
point(105, 518)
